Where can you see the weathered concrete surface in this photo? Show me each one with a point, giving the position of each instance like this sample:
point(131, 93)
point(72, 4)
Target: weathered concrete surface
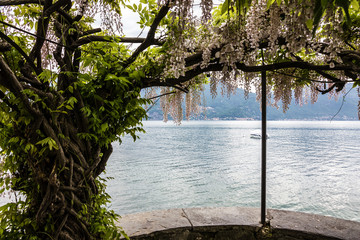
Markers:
point(314, 224)
point(148, 222)
point(238, 223)
point(228, 216)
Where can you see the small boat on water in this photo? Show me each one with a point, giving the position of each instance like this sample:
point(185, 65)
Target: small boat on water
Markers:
point(257, 134)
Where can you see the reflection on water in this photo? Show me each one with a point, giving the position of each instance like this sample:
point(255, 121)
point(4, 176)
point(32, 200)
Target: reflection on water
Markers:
point(312, 167)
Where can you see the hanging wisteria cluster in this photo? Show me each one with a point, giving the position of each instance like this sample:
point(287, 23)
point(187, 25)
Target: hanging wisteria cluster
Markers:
point(226, 40)
point(261, 35)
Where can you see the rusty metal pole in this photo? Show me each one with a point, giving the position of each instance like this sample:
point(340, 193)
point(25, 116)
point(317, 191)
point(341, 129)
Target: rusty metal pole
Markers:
point(263, 147)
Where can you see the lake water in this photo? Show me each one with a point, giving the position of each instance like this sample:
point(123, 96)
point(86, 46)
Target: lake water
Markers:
point(312, 167)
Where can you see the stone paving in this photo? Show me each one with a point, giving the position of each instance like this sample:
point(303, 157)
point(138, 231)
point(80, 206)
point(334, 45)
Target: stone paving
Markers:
point(235, 223)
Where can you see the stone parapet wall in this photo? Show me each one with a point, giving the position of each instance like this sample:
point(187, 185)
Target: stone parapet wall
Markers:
point(238, 223)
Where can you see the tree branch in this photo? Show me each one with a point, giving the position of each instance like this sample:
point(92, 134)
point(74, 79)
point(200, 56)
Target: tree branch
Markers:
point(32, 34)
point(308, 79)
point(9, 80)
point(66, 16)
point(4, 47)
point(337, 82)
point(293, 64)
point(49, 131)
point(20, 50)
point(42, 27)
point(20, 2)
point(99, 167)
point(39, 92)
point(216, 66)
point(95, 38)
point(149, 40)
point(33, 82)
point(89, 32)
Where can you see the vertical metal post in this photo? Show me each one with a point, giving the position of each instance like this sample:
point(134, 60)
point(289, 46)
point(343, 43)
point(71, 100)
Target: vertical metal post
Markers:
point(263, 147)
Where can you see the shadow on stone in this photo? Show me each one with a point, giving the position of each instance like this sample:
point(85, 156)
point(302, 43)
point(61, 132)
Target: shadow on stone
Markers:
point(228, 233)
point(235, 223)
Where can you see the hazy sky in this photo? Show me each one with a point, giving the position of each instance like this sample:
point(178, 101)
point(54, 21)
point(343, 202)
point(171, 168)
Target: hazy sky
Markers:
point(130, 19)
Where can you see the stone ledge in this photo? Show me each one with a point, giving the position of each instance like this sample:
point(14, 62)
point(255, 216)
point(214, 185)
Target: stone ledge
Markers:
point(314, 224)
point(235, 223)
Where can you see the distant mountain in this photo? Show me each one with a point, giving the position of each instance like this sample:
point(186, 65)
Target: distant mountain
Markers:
point(236, 107)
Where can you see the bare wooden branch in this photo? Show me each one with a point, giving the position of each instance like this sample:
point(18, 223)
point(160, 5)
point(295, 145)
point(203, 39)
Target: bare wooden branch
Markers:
point(57, 233)
point(43, 94)
point(20, 2)
point(33, 82)
point(66, 15)
point(89, 32)
point(95, 38)
point(76, 150)
point(216, 66)
point(29, 33)
point(20, 50)
point(42, 27)
point(51, 189)
point(51, 133)
point(9, 80)
point(100, 167)
point(81, 223)
point(4, 47)
point(149, 40)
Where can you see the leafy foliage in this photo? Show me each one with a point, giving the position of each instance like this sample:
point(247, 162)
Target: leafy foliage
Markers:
point(69, 90)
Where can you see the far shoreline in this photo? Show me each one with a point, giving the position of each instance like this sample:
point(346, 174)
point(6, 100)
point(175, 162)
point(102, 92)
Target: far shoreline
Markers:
point(254, 120)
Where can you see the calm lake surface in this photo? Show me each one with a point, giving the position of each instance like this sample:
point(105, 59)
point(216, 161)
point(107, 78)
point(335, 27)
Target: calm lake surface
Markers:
point(312, 167)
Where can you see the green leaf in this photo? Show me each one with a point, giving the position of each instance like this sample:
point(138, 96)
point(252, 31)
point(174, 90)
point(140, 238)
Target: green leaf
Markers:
point(318, 12)
point(86, 111)
point(130, 7)
point(110, 77)
point(125, 81)
point(309, 24)
point(355, 5)
point(104, 127)
point(269, 3)
point(225, 7)
point(48, 141)
point(14, 140)
point(356, 83)
point(27, 147)
point(72, 101)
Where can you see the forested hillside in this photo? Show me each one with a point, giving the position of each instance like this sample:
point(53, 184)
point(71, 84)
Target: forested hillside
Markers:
point(236, 107)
